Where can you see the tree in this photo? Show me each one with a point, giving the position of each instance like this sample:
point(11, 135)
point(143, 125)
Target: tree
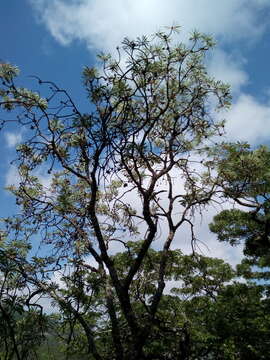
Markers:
point(208, 314)
point(22, 322)
point(225, 319)
point(245, 178)
point(138, 160)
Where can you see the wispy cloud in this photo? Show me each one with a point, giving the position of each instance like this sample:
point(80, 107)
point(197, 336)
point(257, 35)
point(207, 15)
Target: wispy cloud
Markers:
point(102, 24)
point(13, 139)
point(12, 177)
point(248, 120)
point(229, 69)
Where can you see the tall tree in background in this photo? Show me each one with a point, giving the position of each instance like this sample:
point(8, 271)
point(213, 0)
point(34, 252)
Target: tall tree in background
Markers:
point(135, 168)
point(22, 322)
point(244, 177)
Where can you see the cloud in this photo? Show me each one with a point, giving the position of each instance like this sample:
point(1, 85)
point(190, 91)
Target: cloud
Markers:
point(13, 139)
point(103, 24)
point(248, 120)
point(12, 177)
point(228, 69)
point(206, 242)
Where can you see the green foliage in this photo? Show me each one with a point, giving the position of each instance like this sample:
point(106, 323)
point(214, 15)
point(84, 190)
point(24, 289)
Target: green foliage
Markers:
point(22, 324)
point(245, 177)
point(207, 315)
point(12, 97)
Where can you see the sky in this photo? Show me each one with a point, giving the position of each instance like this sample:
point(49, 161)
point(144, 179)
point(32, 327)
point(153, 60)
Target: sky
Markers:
point(55, 39)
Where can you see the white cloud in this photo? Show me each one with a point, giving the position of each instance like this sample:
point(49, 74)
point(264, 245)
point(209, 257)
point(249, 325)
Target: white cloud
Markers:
point(206, 242)
point(12, 177)
point(248, 120)
point(103, 24)
point(13, 139)
point(226, 68)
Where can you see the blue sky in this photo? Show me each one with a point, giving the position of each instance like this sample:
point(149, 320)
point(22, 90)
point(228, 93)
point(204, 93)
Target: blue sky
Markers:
point(54, 39)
